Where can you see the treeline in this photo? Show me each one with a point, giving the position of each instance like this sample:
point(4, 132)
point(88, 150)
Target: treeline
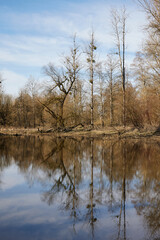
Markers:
point(84, 90)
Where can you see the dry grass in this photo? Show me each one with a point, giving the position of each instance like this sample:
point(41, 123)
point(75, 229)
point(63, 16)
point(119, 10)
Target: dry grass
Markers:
point(18, 131)
point(109, 132)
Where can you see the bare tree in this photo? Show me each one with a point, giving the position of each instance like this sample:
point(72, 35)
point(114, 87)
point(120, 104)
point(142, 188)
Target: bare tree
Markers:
point(111, 66)
point(74, 64)
point(32, 87)
point(91, 67)
point(152, 9)
point(119, 31)
point(152, 44)
point(101, 91)
point(148, 64)
point(63, 80)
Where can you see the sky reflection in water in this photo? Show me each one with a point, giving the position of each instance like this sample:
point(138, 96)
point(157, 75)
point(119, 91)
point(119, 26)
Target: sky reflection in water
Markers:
point(79, 189)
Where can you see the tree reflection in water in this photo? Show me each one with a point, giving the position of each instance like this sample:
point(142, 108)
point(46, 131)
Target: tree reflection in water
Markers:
point(93, 180)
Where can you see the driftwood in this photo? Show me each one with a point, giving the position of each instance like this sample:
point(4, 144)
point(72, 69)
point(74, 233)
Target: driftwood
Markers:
point(60, 129)
point(157, 132)
point(69, 129)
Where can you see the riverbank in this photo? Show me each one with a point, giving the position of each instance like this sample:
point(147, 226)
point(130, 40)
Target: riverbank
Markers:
point(108, 132)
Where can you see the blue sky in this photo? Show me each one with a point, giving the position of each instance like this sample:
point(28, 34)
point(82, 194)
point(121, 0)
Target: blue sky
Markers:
point(34, 33)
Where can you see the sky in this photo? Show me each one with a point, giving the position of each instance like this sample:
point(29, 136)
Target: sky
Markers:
point(36, 32)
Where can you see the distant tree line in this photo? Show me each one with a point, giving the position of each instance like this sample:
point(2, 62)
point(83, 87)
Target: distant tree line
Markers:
point(84, 90)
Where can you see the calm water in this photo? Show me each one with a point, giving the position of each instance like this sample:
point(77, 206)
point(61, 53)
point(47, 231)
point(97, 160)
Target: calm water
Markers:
point(79, 189)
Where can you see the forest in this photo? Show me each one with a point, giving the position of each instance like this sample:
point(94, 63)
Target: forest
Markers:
point(85, 90)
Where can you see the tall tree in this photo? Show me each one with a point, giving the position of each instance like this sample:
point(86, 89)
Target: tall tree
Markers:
point(111, 70)
point(152, 44)
point(119, 31)
point(74, 65)
point(91, 48)
point(142, 77)
point(101, 92)
point(147, 65)
point(152, 8)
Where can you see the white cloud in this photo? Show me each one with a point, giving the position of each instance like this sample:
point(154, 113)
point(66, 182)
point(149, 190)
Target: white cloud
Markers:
point(38, 50)
point(13, 81)
point(42, 37)
point(28, 50)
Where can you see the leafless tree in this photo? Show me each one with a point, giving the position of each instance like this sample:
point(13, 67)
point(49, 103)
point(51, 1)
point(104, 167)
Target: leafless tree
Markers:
point(111, 67)
point(91, 48)
point(63, 82)
point(119, 31)
point(101, 91)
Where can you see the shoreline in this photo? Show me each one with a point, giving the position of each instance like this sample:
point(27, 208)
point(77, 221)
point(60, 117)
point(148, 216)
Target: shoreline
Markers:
point(108, 132)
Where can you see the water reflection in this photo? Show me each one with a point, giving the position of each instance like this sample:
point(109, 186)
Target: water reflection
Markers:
point(89, 188)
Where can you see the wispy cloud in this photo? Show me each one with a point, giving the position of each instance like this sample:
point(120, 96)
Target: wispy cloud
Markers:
point(29, 50)
point(12, 80)
point(34, 39)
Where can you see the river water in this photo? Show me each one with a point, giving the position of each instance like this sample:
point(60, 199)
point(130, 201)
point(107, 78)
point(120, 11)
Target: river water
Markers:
point(66, 188)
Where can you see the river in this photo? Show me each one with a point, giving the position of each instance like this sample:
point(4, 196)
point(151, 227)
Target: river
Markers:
point(67, 188)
